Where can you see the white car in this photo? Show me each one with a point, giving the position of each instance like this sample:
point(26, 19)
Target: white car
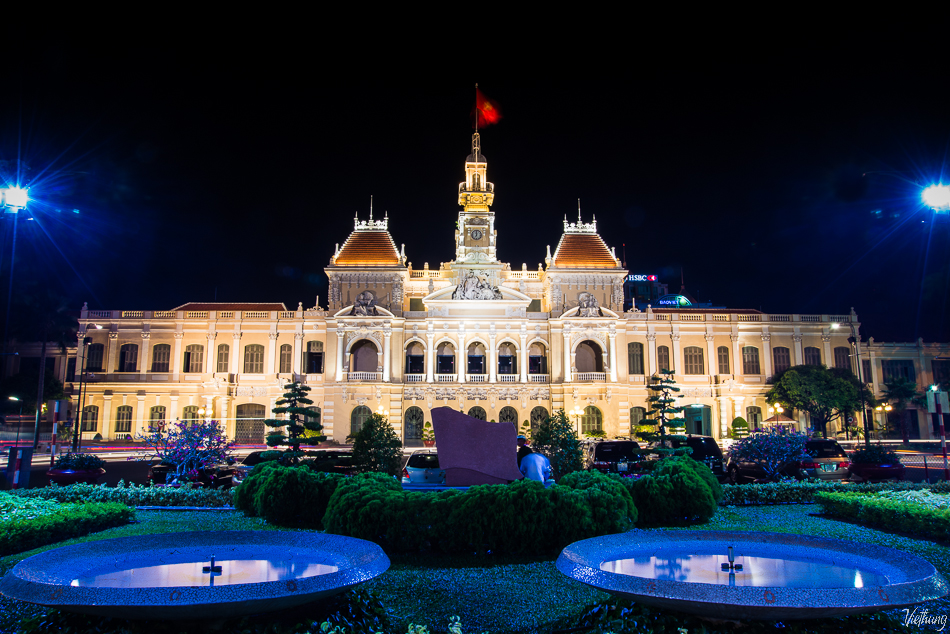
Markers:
point(423, 468)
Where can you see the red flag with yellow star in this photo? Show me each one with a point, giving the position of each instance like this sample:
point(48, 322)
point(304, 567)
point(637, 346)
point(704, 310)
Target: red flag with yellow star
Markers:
point(486, 110)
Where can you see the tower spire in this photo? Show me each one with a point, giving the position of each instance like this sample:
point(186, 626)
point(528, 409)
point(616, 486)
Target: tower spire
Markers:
point(371, 208)
point(578, 211)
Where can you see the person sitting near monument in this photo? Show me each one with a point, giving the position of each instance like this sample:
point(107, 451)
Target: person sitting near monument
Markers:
point(536, 466)
point(523, 449)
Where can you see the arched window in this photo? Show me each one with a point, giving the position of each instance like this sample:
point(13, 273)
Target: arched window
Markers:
point(364, 356)
point(476, 359)
point(195, 358)
point(313, 363)
point(723, 353)
point(445, 359)
point(663, 358)
point(750, 360)
point(538, 415)
point(286, 359)
point(94, 357)
point(190, 415)
point(693, 360)
point(128, 355)
point(637, 414)
point(812, 356)
point(635, 358)
point(224, 355)
point(508, 414)
point(90, 417)
point(592, 420)
point(415, 420)
point(781, 359)
point(587, 357)
point(249, 423)
point(537, 359)
point(359, 416)
point(478, 412)
point(254, 359)
point(123, 419)
point(843, 358)
point(415, 359)
point(161, 356)
point(156, 415)
point(753, 416)
point(507, 359)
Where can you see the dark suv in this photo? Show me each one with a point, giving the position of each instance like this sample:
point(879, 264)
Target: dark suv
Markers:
point(705, 450)
point(614, 456)
point(828, 461)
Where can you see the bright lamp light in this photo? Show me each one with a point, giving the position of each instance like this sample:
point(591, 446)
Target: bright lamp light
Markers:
point(15, 197)
point(937, 197)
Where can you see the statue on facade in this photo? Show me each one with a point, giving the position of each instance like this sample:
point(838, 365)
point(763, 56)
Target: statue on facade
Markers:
point(365, 305)
point(588, 306)
point(475, 285)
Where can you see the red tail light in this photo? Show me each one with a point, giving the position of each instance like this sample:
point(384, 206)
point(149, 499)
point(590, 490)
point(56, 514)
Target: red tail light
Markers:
point(844, 465)
point(405, 473)
point(810, 465)
point(601, 465)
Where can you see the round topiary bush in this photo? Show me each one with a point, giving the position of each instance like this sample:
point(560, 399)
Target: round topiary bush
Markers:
point(288, 496)
point(676, 493)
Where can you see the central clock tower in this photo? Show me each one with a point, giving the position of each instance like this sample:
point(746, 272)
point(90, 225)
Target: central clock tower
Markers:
point(475, 234)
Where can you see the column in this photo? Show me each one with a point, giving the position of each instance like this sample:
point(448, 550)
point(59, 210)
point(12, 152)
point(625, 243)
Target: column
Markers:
point(209, 406)
point(613, 356)
point(235, 353)
point(567, 356)
point(523, 355)
point(107, 424)
point(430, 358)
point(651, 353)
point(723, 416)
point(736, 354)
point(767, 354)
point(492, 356)
point(712, 366)
point(387, 352)
point(139, 427)
point(224, 418)
point(799, 355)
point(339, 353)
point(737, 401)
point(176, 356)
point(270, 366)
point(676, 363)
point(209, 353)
point(298, 354)
point(460, 365)
point(826, 344)
point(143, 355)
point(110, 364)
point(172, 410)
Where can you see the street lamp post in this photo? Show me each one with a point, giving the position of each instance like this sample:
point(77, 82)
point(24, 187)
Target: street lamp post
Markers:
point(77, 436)
point(883, 409)
point(19, 420)
point(12, 200)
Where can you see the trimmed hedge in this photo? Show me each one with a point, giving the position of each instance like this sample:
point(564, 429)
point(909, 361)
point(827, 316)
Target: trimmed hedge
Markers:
point(131, 495)
point(18, 534)
point(287, 496)
point(794, 492)
point(886, 514)
point(679, 491)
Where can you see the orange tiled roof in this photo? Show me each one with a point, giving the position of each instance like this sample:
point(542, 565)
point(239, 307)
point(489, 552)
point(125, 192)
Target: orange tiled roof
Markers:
point(583, 251)
point(368, 248)
point(261, 306)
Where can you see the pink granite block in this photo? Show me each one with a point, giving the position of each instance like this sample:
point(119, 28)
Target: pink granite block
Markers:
point(472, 451)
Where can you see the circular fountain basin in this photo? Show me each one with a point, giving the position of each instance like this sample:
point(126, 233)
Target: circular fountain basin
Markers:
point(162, 576)
point(782, 577)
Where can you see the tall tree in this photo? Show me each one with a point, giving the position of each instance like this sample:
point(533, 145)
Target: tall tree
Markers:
point(826, 394)
point(376, 447)
point(557, 439)
point(664, 412)
point(303, 425)
point(901, 392)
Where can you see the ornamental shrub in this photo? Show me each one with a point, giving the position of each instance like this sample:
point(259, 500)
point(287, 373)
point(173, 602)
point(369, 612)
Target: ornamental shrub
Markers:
point(286, 495)
point(132, 494)
point(38, 527)
point(772, 450)
point(622, 508)
point(794, 492)
point(887, 514)
point(557, 439)
point(376, 447)
point(676, 493)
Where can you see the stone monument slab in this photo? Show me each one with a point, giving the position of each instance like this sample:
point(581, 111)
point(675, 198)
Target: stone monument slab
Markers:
point(473, 451)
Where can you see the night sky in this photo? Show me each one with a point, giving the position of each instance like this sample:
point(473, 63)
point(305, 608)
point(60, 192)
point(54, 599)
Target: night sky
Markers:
point(786, 183)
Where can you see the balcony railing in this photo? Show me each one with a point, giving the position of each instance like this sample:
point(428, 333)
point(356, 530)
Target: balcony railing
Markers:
point(539, 378)
point(590, 377)
point(415, 378)
point(445, 378)
point(476, 378)
point(507, 378)
point(364, 376)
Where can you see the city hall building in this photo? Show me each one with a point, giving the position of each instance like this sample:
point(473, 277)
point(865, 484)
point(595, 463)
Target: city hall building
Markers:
point(499, 343)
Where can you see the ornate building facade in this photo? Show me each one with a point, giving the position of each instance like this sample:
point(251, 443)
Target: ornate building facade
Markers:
point(498, 343)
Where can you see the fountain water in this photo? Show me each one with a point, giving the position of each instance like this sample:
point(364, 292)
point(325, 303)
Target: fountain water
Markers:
point(737, 575)
point(170, 577)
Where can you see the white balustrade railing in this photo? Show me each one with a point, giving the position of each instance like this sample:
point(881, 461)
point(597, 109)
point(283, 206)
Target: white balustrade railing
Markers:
point(590, 377)
point(364, 376)
point(507, 378)
point(415, 378)
point(445, 378)
point(539, 378)
point(476, 378)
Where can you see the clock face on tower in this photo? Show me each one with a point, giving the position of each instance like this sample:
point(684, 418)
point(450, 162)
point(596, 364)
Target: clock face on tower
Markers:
point(476, 234)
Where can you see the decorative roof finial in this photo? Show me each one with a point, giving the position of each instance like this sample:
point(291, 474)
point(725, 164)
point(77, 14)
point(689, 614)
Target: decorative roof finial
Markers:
point(578, 211)
point(371, 208)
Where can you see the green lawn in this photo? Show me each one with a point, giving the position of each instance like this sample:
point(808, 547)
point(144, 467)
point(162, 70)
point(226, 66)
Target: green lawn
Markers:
point(508, 594)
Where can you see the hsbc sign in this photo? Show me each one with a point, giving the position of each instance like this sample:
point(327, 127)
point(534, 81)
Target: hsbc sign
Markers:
point(641, 278)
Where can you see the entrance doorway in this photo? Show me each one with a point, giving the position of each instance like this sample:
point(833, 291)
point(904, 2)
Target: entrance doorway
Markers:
point(698, 420)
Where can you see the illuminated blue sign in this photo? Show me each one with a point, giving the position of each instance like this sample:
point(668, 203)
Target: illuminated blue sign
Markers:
point(673, 300)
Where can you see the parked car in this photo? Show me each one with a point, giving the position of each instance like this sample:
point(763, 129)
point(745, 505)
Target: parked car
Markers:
point(329, 460)
point(828, 462)
point(423, 468)
point(219, 476)
point(614, 456)
point(705, 450)
point(242, 470)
